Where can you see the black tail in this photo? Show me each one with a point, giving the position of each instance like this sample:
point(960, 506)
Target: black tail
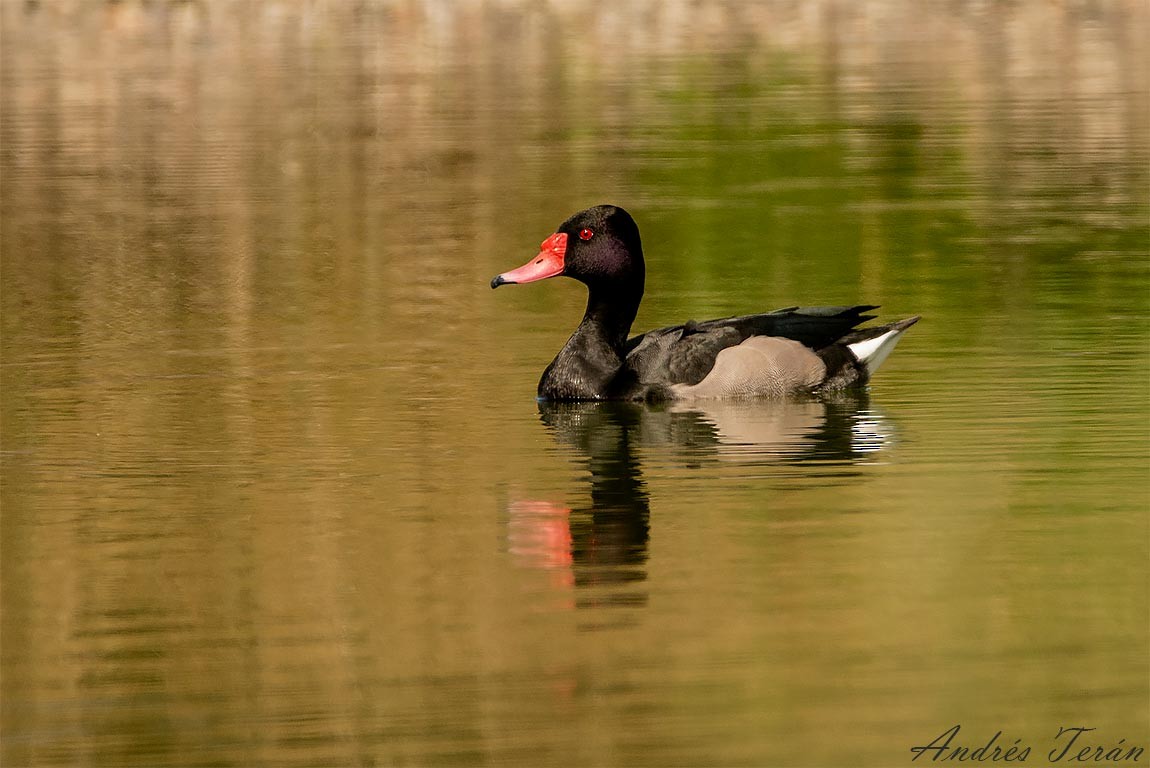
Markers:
point(849, 361)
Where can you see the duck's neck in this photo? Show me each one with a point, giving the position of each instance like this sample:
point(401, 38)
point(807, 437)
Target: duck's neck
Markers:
point(593, 356)
point(610, 312)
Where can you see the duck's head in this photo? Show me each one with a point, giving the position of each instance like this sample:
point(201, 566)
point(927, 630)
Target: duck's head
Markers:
point(597, 246)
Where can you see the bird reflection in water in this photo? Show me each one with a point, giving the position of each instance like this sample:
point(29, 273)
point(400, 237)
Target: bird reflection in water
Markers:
point(601, 541)
point(596, 548)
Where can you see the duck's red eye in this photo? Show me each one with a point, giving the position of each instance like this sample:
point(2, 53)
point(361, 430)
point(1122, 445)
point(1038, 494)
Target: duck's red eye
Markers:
point(586, 234)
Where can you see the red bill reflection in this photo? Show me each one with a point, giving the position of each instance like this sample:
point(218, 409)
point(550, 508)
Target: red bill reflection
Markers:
point(539, 536)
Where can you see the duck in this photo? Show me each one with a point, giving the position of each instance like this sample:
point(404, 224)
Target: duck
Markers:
point(786, 352)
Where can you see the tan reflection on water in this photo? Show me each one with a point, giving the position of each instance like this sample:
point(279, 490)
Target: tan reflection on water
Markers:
point(276, 492)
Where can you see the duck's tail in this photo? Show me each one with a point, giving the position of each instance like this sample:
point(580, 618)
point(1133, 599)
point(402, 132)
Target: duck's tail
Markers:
point(871, 346)
point(853, 359)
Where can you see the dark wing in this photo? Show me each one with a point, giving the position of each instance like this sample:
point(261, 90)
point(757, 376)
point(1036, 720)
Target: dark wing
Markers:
point(685, 354)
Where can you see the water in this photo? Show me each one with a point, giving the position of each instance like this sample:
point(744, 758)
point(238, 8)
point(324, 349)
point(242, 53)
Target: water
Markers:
point(276, 490)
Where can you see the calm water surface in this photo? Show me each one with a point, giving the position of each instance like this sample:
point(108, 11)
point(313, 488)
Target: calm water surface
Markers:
point(277, 492)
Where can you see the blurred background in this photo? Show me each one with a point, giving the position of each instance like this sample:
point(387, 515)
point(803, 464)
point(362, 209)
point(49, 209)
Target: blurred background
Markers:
point(276, 490)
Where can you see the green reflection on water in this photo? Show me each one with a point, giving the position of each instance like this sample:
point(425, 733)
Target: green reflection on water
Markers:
point(275, 488)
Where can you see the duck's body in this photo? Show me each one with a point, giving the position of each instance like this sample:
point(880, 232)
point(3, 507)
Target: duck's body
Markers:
point(785, 352)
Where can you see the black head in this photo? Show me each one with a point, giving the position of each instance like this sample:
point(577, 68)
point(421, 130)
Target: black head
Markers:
point(598, 246)
point(602, 245)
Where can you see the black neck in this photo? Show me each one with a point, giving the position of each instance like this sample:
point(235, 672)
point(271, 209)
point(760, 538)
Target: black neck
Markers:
point(595, 353)
point(611, 309)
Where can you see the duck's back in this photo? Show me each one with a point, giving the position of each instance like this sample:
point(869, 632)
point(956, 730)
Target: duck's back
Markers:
point(775, 353)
